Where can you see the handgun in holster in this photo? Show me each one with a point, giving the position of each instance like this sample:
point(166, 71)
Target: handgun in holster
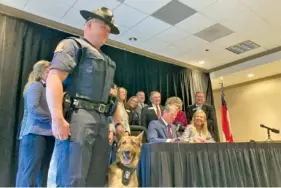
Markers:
point(67, 105)
point(112, 105)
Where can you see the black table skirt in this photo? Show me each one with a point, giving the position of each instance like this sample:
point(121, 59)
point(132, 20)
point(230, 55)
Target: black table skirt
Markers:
point(218, 164)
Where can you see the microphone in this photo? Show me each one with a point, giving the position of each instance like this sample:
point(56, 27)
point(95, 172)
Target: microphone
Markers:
point(178, 126)
point(271, 129)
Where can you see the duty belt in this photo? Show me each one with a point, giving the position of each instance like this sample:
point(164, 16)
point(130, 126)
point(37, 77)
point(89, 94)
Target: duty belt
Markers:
point(88, 105)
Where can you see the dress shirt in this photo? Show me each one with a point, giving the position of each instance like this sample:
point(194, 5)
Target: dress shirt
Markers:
point(168, 140)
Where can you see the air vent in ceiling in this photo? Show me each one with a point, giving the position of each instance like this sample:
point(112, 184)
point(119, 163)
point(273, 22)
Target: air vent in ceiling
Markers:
point(243, 47)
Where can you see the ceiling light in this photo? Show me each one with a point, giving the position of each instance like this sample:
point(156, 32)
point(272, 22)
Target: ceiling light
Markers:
point(251, 75)
point(201, 62)
point(133, 39)
point(243, 47)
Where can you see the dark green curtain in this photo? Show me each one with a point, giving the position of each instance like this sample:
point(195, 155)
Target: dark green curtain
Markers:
point(139, 73)
point(23, 43)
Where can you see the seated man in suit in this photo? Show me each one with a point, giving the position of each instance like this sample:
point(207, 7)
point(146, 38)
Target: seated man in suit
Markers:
point(153, 111)
point(163, 130)
point(200, 104)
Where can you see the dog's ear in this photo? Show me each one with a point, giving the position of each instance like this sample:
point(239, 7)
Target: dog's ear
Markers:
point(140, 136)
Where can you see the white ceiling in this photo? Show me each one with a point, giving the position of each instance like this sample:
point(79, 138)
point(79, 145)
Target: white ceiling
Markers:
point(255, 20)
point(258, 72)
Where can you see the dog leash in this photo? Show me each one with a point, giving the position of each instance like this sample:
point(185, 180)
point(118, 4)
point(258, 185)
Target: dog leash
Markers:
point(127, 173)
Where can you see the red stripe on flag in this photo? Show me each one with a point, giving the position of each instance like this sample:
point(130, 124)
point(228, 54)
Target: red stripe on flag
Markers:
point(226, 124)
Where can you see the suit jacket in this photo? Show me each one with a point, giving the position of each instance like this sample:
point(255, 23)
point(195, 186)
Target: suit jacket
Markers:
point(139, 105)
point(211, 118)
point(134, 118)
point(139, 109)
point(148, 114)
point(37, 117)
point(158, 131)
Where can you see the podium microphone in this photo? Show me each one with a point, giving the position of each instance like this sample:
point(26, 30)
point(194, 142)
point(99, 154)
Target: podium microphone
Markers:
point(178, 126)
point(271, 129)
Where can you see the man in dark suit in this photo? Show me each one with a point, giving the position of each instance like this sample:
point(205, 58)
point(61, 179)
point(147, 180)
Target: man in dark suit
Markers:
point(209, 111)
point(153, 111)
point(163, 130)
point(141, 99)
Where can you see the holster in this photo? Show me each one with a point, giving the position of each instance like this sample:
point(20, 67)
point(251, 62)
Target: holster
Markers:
point(112, 105)
point(67, 105)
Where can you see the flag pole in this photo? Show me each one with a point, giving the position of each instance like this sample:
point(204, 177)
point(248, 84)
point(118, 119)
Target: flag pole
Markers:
point(225, 116)
point(221, 83)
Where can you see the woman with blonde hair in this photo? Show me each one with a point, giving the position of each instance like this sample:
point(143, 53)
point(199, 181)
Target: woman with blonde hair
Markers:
point(197, 132)
point(36, 138)
point(124, 118)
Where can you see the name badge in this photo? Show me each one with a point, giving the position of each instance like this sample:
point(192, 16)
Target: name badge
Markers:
point(194, 109)
point(150, 108)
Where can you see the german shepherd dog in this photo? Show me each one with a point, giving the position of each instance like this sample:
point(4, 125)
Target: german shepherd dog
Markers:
point(122, 173)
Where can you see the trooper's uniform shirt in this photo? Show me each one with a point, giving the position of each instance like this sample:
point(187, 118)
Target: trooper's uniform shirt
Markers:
point(83, 158)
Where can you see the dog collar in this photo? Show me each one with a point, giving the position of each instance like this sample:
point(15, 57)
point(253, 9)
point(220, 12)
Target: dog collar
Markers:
point(127, 173)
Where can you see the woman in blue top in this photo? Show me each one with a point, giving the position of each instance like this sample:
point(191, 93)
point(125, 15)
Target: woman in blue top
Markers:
point(36, 139)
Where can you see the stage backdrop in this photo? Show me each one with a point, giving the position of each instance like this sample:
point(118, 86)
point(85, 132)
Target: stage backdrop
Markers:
point(23, 43)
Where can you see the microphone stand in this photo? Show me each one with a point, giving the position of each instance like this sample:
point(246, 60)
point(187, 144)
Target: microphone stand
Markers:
point(268, 140)
point(178, 147)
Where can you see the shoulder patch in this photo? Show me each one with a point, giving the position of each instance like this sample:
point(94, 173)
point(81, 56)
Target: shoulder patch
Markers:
point(61, 46)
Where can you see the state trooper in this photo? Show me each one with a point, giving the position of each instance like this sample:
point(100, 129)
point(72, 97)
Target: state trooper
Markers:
point(80, 78)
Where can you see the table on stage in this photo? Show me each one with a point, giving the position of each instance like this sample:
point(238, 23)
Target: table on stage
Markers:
point(216, 164)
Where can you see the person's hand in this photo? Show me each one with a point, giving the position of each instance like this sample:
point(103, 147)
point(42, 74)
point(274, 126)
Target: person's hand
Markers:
point(60, 128)
point(199, 140)
point(173, 140)
point(196, 140)
point(203, 140)
point(120, 130)
point(181, 140)
point(110, 137)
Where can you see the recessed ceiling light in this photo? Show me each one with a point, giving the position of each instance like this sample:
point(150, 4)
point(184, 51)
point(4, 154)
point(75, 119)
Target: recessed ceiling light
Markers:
point(133, 39)
point(251, 75)
point(201, 62)
point(221, 78)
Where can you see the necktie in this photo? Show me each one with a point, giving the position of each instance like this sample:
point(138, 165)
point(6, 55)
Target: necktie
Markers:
point(158, 112)
point(170, 131)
